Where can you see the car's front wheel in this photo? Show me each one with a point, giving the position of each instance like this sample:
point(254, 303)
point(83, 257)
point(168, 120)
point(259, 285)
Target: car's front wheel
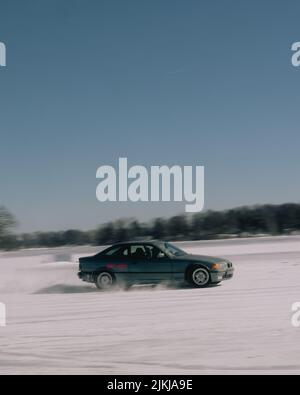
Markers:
point(199, 277)
point(105, 281)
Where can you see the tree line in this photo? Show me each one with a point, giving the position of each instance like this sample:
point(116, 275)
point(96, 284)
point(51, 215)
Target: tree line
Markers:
point(237, 222)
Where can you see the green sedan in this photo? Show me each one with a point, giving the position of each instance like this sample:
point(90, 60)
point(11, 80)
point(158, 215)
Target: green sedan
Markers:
point(152, 262)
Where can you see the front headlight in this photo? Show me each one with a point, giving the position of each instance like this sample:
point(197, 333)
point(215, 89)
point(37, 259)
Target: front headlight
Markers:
point(217, 266)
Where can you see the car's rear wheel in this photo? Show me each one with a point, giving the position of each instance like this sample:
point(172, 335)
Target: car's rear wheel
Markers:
point(105, 281)
point(199, 277)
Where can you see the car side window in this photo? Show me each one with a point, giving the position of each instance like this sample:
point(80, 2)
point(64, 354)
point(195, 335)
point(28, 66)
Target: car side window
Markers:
point(146, 251)
point(157, 253)
point(138, 251)
point(118, 251)
point(154, 252)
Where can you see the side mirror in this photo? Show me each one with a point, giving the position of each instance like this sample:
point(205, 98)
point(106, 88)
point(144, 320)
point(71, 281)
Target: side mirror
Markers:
point(161, 255)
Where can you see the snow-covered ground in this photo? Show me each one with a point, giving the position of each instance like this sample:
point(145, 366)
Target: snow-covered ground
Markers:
point(58, 325)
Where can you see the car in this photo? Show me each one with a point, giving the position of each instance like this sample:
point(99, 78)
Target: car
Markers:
point(151, 262)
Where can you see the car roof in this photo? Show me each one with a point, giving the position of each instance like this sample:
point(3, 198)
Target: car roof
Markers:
point(140, 242)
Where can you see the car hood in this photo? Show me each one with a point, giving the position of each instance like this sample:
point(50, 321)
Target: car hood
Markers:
point(203, 258)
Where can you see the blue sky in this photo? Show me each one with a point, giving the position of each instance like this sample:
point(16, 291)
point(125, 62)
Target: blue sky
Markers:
point(160, 82)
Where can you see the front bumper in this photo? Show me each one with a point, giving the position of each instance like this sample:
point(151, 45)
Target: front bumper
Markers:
point(217, 277)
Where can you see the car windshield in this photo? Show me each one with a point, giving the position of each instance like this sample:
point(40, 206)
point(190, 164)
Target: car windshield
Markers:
point(173, 250)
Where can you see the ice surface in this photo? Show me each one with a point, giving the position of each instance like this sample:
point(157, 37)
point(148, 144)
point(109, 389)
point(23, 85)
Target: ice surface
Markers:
point(58, 325)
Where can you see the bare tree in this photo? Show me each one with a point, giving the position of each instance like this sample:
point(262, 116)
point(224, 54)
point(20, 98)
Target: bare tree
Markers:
point(7, 222)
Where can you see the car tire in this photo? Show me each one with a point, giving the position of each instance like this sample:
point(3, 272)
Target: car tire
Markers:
point(199, 277)
point(105, 281)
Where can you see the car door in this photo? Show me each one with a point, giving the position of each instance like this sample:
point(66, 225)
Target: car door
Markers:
point(147, 267)
point(117, 260)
